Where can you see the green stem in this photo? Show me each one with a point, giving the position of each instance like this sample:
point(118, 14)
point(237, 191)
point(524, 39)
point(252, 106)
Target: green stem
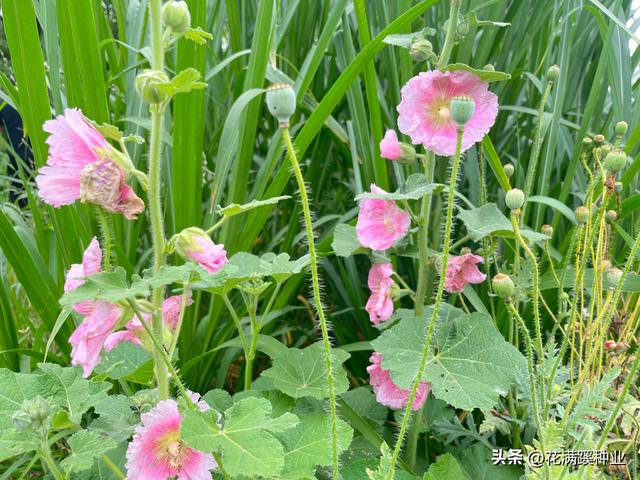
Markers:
point(440, 292)
point(106, 236)
point(255, 331)
point(155, 204)
point(176, 334)
point(47, 458)
point(113, 467)
point(236, 320)
point(315, 281)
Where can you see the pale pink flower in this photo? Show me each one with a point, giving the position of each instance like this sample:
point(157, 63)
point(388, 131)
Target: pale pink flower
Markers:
point(196, 399)
point(79, 167)
point(91, 260)
point(116, 338)
point(156, 451)
point(171, 309)
point(380, 303)
point(461, 271)
point(210, 256)
point(387, 392)
point(380, 222)
point(425, 115)
point(390, 147)
point(89, 337)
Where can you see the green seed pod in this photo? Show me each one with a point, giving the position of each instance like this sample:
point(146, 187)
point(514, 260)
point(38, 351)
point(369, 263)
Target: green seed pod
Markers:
point(509, 169)
point(421, 50)
point(615, 161)
point(547, 230)
point(605, 150)
point(514, 199)
point(582, 215)
point(587, 143)
point(598, 139)
point(618, 187)
point(614, 275)
point(462, 109)
point(503, 286)
point(553, 73)
point(612, 215)
point(281, 101)
point(176, 16)
point(463, 28)
point(621, 128)
point(147, 86)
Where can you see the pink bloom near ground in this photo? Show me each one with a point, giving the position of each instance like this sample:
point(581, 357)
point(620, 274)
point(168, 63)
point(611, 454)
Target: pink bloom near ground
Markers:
point(387, 392)
point(461, 271)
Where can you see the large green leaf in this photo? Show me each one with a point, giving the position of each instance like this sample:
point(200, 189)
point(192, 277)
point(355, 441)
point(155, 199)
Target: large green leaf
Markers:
point(414, 188)
point(15, 388)
point(470, 364)
point(345, 242)
point(486, 75)
point(110, 287)
point(116, 417)
point(301, 373)
point(489, 220)
point(249, 447)
point(446, 467)
point(86, 447)
point(124, 360)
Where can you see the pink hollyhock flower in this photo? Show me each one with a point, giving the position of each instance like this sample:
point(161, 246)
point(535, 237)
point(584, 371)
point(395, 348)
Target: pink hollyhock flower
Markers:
point(197, 400)
point(210, 256)
point(116, 338)
point(79, 167)
point(380, 303)
point(88, 339)
point(461, 271)
point(387, 392)
point(380, 222)
point(171, 309)
point(157, 453)
point(424, 110)
point(91, 260)
point(390, 147)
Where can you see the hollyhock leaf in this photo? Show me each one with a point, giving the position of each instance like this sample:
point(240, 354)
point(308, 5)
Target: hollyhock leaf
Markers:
point(405, 40)
point(65, 387)
point(476, 464)
point(308, 445)
point(197, 35)
point(235, 209)
point(15, 388)
point(446, 467)
point(363, 401)
point(116, 417)
point(108, 131)
point(110, 287)
point(470, 364)
point(358, 470)
point(169, 274)
point(345, 241)
point(100, 470)
point(485, 75)
point(218, 399)
point(489, 220)
point(183, 82)
point(15, 442)
point(415, 187)
point(473, 21)
point(248, 445)
point(301, 373)
point(86, 447)
point(124, 360)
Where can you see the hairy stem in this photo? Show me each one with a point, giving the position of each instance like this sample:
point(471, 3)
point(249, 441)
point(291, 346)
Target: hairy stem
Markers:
point(106, 237)
point(47, 458)
point(315, 281)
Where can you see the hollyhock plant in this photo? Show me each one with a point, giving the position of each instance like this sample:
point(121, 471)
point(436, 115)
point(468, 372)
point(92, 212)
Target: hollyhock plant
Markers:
point(91, 260)
point(387, 392)
point(380, 222)
point(156, 451)
point(461, 271)
point(390, 147)
point(80, 166)
point(380, 304)
point(425, 114)
point(195, 245)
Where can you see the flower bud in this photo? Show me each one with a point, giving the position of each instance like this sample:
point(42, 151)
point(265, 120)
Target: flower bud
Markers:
point(621, 128)
point(489, 67)
point(598, 139)
point(37, 410)
point(547, 230)
point(281, 101)
point(186, 241)
point(618, 187)
point(612, 215)
point(408, 154)
point(615, 160)
point(587, 143)
point(614, 275)
point(609, 345)
point(465, 250)
point(582, 215)
point(556, 389)
point(509, 169)
point(176, 16)
point(462, 109)
point(514, 199)
point(147, 86)
point(605, 265)
point(604, 150)
point(463, 28)
point(421, 50)
point(503, 286)
point(553, 73)
point(21, 420)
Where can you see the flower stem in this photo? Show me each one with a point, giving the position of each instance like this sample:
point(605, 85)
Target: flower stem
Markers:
point(155, 204)
point(176, 334)
point(440, 292)
point(315, 281)
point(106, 237)
point(47, 458)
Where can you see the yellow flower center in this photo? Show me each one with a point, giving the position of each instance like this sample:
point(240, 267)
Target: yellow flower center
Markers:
point(171, 450)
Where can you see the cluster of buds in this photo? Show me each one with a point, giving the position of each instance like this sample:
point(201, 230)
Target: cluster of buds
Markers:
point(176, 16)
point(33, 413)
point(147, 85)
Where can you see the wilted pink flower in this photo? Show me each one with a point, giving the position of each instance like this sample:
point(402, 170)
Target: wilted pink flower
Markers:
point(390, 147)
point(171, 309)
point(116, 338)
point(380, 303)
point(461, 271)
point(387, 392)
point(424, 110)
point(79, 167)
point(380, 222)
point(156, 451)
point(210, 256)
point(88, 339)
point(90, 265)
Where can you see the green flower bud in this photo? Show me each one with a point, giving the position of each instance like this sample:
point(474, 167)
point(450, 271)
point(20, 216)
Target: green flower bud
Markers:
point(612, 215)
point(604, 150)
point(615, 161)
point(587, 143)
point(489, 67)
point(547, 230)
point(186, 241)
point(21, 420)
point(176, 16)
point(503, 286)
point(582, 215)
point(281, 101)
point(421, 50)
point(618, 187)
point(465, 250)
point(462, 109)
point(553, 73)
point(147, 86)
point(614, 275)
point(598, 139)
point(408, 154)
point(621, 128)
point(556, 389)
point(509, 169)
point(37, 409)
point(463, 28)
point(514, 199)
